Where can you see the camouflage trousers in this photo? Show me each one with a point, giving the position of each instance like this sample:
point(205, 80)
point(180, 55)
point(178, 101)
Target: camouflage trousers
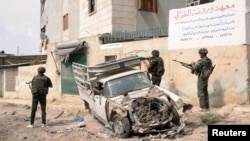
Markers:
point(38, 98)
point(202, 85)
point(156, 80)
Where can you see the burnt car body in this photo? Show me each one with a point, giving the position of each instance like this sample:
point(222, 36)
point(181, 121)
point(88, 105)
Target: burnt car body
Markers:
point(122, 97)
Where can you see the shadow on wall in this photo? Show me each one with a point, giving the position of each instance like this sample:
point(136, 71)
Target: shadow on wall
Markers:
point(172, 88)
point(216, 98)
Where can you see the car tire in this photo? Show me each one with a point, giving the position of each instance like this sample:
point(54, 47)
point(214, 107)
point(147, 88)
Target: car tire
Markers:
point(121, 126)
point(176, 119)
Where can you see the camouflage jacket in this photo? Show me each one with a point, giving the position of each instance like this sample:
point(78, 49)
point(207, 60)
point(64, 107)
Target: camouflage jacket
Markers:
point(203, 67)
point(156, 67)
point(40, 84)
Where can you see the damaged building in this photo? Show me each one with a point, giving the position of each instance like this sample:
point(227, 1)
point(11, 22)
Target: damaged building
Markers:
point(93, 32)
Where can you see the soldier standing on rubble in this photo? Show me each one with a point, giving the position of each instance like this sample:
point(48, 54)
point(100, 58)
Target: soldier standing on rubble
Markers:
point(203, 68)
point(156, 67)
point(39, 89)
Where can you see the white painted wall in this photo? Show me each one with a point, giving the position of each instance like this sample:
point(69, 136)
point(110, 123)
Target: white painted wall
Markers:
point(54, 18)
point(98, 22)
point(228, 83)
point(148, 20)
point(55, 10)
point(124, 15)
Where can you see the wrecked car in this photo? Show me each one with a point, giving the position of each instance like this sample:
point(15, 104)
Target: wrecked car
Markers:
point(122, 97)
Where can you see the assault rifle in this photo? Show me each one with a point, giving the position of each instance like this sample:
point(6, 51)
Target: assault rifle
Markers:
point(29, 83)
point(187, 66)
point(190, 67)
point(145, 58)
point(184, 64)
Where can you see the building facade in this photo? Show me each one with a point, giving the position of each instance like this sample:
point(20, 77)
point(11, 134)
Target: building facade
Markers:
point(71, 28)
point(95, 31)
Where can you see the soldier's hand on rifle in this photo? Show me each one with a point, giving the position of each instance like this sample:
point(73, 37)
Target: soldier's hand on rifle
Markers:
point(28, 82)
point(193, 63)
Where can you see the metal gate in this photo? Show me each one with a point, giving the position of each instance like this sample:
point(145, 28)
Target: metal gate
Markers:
point(68, 85)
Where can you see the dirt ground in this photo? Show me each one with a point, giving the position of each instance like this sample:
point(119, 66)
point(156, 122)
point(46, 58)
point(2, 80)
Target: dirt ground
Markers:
point(71, 124)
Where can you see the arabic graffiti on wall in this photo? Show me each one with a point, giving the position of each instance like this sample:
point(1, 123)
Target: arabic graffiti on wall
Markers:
point(215, 24)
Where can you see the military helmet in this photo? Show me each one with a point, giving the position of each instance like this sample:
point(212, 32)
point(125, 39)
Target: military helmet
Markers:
point(203, 51)
point(155, 53)
point(41, 70)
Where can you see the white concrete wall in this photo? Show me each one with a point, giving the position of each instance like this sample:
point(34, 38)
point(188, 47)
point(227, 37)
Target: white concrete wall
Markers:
point(98, 22)
point(55, 10)
point(74, 19)
point(247, 21)
point(124, 15)
point(25, 74)
point(228, 83)
point(148, 20)
point(54, 19)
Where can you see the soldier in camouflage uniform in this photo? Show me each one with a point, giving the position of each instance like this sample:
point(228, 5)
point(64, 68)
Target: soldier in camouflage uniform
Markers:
point(203, 68)
point(156, 67)
point(39, 89)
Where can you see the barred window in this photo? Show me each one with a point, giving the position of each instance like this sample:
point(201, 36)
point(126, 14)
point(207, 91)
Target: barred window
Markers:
point(147, 5)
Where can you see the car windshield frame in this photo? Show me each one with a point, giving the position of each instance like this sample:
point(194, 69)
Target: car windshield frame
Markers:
point(125, 84)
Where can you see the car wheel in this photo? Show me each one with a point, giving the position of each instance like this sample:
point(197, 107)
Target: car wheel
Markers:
point(121, 126)
point(176, 119)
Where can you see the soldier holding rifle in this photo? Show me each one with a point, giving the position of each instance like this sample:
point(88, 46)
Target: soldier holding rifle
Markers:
point(40, 85)
point(203, 69)
point(155, 67)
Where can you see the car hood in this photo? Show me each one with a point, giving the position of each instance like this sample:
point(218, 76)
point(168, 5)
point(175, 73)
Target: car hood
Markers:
point(149, 92)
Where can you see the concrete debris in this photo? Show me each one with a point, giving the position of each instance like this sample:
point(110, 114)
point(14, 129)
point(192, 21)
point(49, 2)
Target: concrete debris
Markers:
point(13, 113)
point(171, 133)
point(78, 125)
point(59, 115)
point(26, 106)
point(51, 133)
point(103, 135)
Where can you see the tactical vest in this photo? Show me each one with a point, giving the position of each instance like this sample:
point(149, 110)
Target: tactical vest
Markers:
point(206, 68)
point(156, 66)
point(40, 85)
